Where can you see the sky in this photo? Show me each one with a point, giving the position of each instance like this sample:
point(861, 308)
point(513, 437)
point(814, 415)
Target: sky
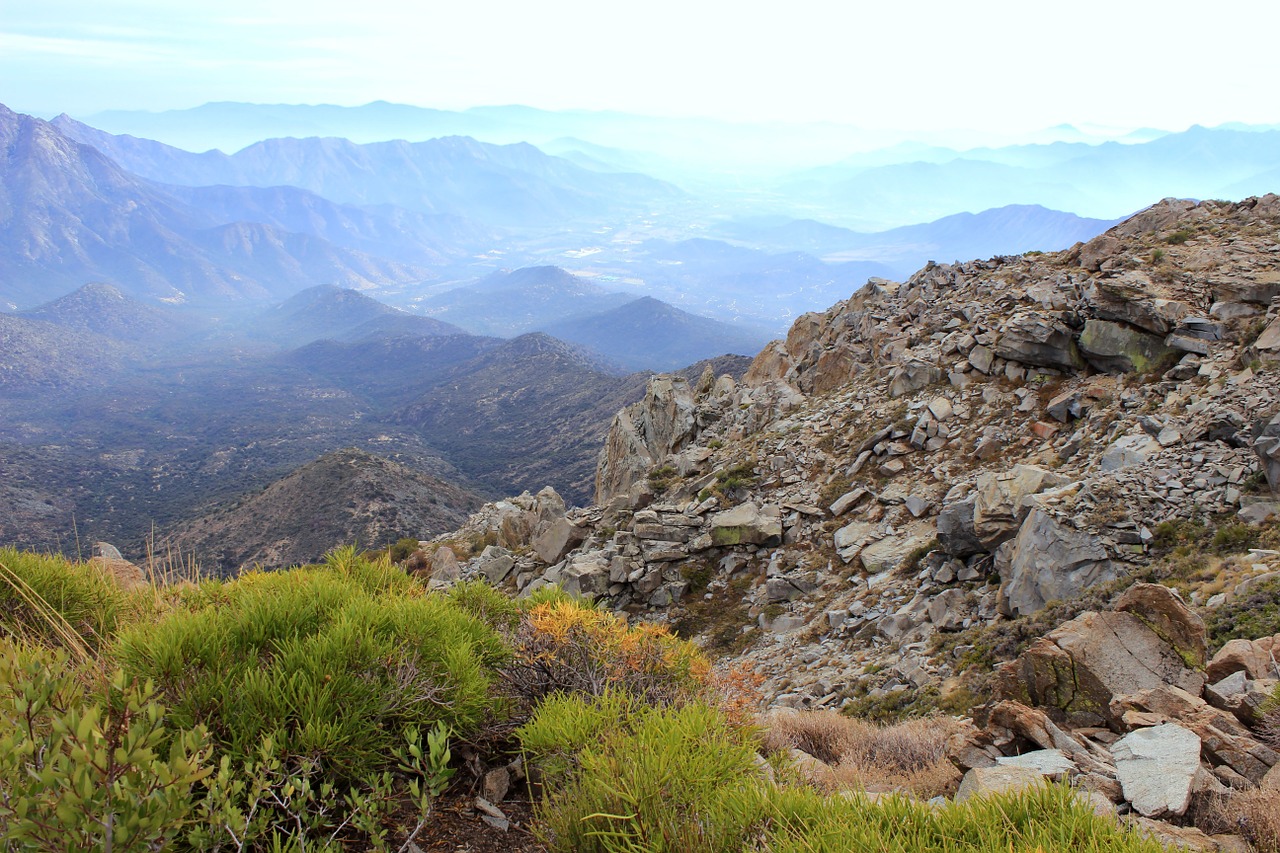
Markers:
point(901, 64)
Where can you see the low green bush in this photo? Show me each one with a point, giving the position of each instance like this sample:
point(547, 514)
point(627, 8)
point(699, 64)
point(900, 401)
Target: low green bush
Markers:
point(1255, 614)
point(1048, 818)
point(674, 779)
point(329, 663)
point(59, 602)
point(79, 772)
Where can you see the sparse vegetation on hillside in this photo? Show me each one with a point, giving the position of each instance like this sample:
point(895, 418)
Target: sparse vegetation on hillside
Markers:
point(314, 708)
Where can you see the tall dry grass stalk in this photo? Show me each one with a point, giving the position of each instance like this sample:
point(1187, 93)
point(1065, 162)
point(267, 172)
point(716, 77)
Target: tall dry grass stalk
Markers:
point(57, 624)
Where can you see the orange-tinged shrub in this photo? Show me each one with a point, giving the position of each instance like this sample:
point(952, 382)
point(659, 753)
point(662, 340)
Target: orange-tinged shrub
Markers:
point(567, 647)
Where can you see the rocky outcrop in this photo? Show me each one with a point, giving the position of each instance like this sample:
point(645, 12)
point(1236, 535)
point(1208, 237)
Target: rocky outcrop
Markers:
point(640, 435)
point(1048, 561)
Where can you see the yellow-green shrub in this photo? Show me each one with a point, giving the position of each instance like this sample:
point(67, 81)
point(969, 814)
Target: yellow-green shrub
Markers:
point(329, 663)
point(628, 776)
point(41, 595)
point(564, 646)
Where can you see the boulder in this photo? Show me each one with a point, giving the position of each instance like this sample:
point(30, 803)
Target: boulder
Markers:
point(1256, 658)
point(1266, 444)
point(1048, 561)
point(1163, 610)
point(1128, 450)
point(1115, 348)
point(444, 566)
point(947, 610)
point(999, 505)
point(1127, 298)
point(1082, 666)
point(912, 376)
point(1050, 763)
point(956, 534)
point(892, 552)
point(586, 576)
point(1040, 340)
point(1156, 768)
point(746, 524)
point(985, 781)
point(560, 537)
point(496, 563)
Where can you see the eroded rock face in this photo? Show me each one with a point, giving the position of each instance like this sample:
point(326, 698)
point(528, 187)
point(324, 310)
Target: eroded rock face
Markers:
point(645, 433)
point(1048, 561)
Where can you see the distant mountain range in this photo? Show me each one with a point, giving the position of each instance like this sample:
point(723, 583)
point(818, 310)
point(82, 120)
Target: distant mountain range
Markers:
point(68, 215)
point(504, 185)
point(1000, 231)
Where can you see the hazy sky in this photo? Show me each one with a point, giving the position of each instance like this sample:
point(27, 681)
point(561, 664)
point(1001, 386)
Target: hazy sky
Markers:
point(888, 64)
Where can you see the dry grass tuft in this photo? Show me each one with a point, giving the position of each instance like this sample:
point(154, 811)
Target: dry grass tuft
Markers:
point(909, 756)
point(1253, 815)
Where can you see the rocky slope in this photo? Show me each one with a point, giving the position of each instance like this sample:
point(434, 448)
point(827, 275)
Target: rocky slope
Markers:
point(348, 496)
point(931, 466)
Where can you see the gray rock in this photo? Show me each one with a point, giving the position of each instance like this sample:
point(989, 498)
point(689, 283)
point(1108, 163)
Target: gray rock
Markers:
point(1050, 763)
point(1156, 767)
point(1000, 505)
point(892, 551)
point(746, 524)
point(1049, 562)
point(956, 534)
point(985, 781)
point(1128, 450)
point(845, 502)
point(1043, 341)
point(947, 610)
point(586, 576)
point(557, 540)
point(1114, 348)
point(913, 376)
point(1266, 444)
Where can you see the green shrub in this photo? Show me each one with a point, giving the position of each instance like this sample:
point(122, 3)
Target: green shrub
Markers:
point(568, 647)
point(653, 780)
point(58, 602)
point(491, 606)
point(1247, 617)
point(1046, 818)
point(90, 773)
point(1177, 238)
point(328, 663)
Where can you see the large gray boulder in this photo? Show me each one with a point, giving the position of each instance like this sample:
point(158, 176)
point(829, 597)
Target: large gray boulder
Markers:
point(1266, 444)
point(1116, 348)
point(1156, 767)
point(912, 376)
point(746, 524)
point(1049, 561)
point(956, 534)
point(1041, 340)
point(560, 537)
point(1078, 670)
point(1000, 503)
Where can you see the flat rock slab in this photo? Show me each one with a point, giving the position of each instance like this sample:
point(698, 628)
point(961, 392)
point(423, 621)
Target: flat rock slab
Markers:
point(984, 781)
point(1156, 768)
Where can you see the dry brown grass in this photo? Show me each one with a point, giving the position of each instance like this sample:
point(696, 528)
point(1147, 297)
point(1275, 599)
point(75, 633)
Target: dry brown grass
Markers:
point(909, 756)
point(1253, 815)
